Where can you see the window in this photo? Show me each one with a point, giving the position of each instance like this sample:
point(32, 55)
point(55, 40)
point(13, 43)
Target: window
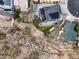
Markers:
point(7, 9)
point(54, 15)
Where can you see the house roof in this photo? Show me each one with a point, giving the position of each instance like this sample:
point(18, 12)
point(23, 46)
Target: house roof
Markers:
point(53, 11)
point(50, 12)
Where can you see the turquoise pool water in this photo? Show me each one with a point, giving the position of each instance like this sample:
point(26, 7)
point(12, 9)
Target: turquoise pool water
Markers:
point(69, 33)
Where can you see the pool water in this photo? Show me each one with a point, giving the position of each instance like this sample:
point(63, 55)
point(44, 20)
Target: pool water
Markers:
point(69, 33)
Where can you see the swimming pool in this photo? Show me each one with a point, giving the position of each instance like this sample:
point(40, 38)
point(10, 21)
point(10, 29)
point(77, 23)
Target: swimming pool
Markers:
point(68, 31)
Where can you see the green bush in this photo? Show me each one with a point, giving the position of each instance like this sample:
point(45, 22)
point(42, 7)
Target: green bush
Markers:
point(36, 23)
point(46, 28)
point(77, 28)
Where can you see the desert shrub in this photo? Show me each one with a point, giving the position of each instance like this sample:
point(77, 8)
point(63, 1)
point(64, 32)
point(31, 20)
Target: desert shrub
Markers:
point(46, 29)
point(36, 23)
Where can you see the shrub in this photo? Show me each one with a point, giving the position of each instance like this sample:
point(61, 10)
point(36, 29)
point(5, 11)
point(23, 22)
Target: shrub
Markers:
point(36, 23)
point(46, 28)
point(77, 28)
